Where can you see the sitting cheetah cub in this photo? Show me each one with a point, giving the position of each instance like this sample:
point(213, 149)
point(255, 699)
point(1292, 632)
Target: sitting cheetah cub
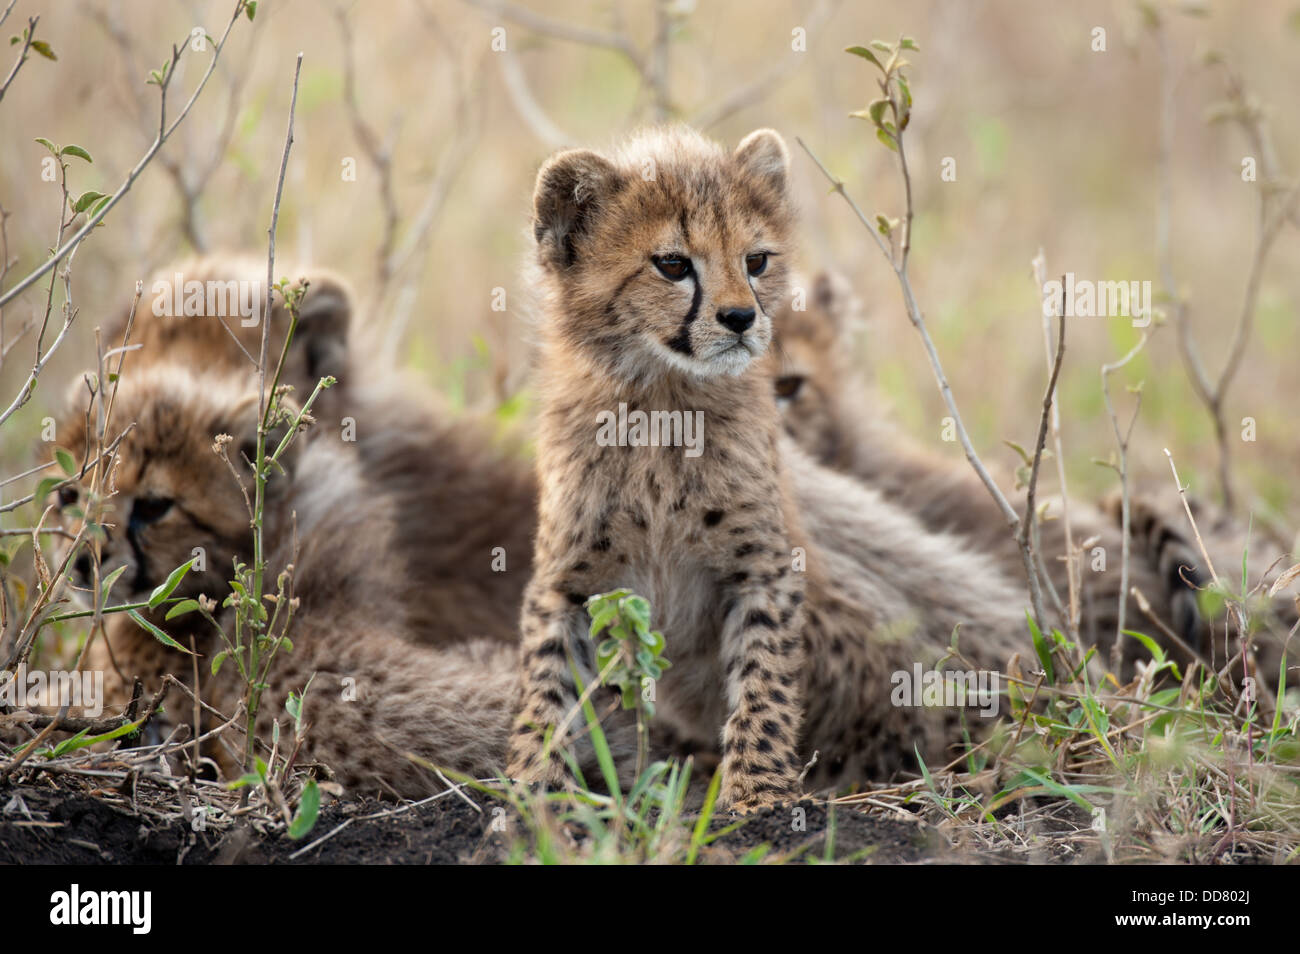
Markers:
point(660, 266)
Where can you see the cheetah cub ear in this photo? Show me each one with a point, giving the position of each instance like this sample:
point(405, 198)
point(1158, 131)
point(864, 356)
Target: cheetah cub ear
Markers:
point(763, 155)
point(570, 188)
point(321, 341)
point(833, 296)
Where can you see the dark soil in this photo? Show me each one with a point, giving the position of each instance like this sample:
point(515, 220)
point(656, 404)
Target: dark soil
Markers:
point(65, 825)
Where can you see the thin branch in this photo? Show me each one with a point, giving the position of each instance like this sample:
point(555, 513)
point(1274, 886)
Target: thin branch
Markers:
point(1121, 468)
point(560, 30)
point(1026, 535)
point(29, 36)
point(756, 89)
point(918, 321)
point(1073, 582)
point(380, 156)
point(1277, 206)
point(530, 111)
point(164, 133)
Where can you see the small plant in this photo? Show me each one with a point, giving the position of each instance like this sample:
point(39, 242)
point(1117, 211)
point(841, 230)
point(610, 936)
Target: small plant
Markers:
point(273, 780)
point(630, 657)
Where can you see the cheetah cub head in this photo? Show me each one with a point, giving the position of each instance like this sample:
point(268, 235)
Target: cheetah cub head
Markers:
point(667, 255)
point(166, 497)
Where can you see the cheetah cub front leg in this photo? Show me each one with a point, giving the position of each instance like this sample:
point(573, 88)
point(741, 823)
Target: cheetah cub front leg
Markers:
point(548, 693)
point(763, 657)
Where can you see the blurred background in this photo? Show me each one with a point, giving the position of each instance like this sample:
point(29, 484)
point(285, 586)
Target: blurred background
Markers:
point(416, 144)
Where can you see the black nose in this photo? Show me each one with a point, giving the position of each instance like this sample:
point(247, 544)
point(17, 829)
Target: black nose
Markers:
point(737, 319)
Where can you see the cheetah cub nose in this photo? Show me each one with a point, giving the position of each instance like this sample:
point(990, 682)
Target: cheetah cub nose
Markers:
point(737, 319)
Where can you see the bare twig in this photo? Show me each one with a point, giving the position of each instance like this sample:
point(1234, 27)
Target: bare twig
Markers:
point(1073, 582)
point(1026, 535)
point(756, 89)
point(29, 37)
point(165, 131)
point(1278, 204)
point(560, 30)
point(899, 265)
point(1122, 438)
point(192, 171)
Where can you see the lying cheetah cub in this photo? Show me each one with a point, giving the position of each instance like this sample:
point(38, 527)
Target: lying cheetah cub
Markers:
point(826, 407)
point(375, 693)
point(660, 266)
point(828, 410)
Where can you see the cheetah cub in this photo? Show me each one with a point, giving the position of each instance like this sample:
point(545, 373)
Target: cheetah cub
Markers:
point(656, 265)
point(660, 266)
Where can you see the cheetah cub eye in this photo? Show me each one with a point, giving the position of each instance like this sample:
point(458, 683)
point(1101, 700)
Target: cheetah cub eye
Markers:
point(756, 264)
point(151, 509)
point(788, 386)
point(672, 267)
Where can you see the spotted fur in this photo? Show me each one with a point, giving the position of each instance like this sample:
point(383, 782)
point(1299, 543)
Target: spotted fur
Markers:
point(770, 662)
point(390, 535)
point(826, 408)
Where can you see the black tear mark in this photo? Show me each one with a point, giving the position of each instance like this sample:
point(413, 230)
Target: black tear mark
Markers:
point(682, 340)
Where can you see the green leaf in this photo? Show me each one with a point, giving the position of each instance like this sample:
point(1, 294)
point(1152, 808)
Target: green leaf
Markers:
point(181, 608)
point(85, 200)
point(48, 145)
point(308, 810)
point(107, 583)
point(1152, 646)
point(66, 461)
point(45, 487)
point(94, 212)
point(907, 43)
point(1024, 454)
point(293, 706)
point(218, 659)
point(600, 618)
point(907, 94)
point(79, 741)
point(156, 633)
point(866, 54)
point(67, 745)
point(250, 8)
point(706, 815)
point(876, 110)
point(43, 48)
point(638, 610)
point(887, 139)
point(1041, 648)
point(173, 580)
point(76, 151)
point(247, 778)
